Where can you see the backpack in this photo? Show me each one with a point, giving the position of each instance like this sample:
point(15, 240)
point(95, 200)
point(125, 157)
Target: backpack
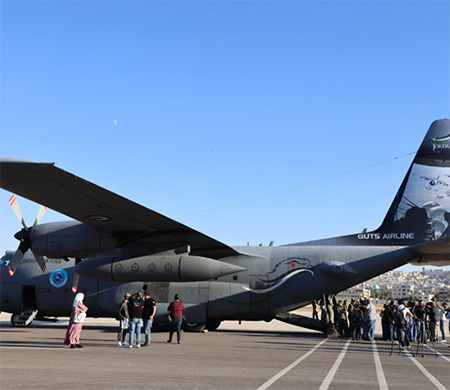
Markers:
point(400, 321)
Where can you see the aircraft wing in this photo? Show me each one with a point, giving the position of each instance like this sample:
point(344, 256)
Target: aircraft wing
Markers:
point(46, 184)
point(435, 253)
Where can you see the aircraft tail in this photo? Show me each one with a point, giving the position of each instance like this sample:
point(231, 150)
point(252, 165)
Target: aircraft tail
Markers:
point(420, 212)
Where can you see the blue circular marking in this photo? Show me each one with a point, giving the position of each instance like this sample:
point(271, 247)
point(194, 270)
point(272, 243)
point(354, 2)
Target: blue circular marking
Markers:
point(58, 278)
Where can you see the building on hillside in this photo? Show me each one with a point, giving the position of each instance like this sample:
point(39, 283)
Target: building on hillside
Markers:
point(401, 291)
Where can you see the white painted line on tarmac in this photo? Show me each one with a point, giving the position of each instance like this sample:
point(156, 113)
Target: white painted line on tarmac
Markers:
point(380, 373)
point(328, 379)
point(290, 367)
point(424, 371)
point(33, 348)
point(438, 353)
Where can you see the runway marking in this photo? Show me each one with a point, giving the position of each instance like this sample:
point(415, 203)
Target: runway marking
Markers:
point(33, 348)
point(438, 353)
point(290, 367)
point(327, 381)
point(379, 368)
point(424, 371)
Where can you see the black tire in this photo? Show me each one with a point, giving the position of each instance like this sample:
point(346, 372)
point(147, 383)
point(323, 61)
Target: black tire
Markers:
point(212, 325)
point(193, 326)
point(14, 319)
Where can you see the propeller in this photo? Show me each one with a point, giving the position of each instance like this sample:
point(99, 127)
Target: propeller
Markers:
point(76, 278)
point(24, 237)
point(76, 275)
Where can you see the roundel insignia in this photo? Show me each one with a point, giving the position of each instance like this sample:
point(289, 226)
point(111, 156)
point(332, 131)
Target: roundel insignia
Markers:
point(152, 267)
point(135, 267)
point(58, 278)
point(168, 267)
point(118, 267)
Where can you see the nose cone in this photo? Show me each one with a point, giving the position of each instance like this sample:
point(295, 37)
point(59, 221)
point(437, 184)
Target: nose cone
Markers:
point(22, 235)
point(98, 269)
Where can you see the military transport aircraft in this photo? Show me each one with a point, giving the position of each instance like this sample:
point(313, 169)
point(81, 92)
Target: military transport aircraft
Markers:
point(118, 246)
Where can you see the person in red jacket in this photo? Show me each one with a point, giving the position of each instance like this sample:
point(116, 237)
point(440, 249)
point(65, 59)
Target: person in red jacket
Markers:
point(176, 309)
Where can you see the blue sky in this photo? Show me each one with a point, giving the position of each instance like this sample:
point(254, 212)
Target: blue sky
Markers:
point(188, 106)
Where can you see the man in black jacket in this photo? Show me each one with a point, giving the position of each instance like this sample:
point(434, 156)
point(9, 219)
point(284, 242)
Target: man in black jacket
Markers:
point(148, 313)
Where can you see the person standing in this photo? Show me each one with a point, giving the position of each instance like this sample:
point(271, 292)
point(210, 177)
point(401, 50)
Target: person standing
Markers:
point(124, 319)
point(148, 313)
point(135, 306)
point(443, 320)
point(434, 316)
point(420, 317)
point(369, 320)
point(342, 319)
point(74, 329)
point(315, 313)
point(401, 315)
point(176, 309)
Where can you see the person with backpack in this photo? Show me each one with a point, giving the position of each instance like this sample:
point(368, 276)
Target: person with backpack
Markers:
point(401, 324)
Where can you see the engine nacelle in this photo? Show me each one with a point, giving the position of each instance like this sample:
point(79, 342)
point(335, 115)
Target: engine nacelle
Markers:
point(70, 239)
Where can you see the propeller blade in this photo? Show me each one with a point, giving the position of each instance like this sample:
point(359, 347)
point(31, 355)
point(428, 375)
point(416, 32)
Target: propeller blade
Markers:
point(41, 213)
point(16, 208)
point(41, 261)
point(76, 278)
point(17, 258)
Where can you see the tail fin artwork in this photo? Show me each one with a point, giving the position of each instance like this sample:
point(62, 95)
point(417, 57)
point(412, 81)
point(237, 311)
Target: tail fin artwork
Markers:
point(420, 212)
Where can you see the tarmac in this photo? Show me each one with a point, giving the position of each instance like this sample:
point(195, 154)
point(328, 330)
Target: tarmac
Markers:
point(253, 355)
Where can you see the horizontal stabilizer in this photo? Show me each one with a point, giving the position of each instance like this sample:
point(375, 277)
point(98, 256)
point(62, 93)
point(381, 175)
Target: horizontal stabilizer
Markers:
point(435, 253)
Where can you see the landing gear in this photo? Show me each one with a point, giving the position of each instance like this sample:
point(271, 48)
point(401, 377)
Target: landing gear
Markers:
point(193, 326)
point(212, 325)
point(15, 319)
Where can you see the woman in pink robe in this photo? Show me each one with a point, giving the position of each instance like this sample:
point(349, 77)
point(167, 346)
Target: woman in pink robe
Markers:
point(74, 329)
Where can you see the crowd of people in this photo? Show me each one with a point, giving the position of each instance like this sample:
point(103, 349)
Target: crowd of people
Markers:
point(405, 321)
point(415, 321)
point(135, 311)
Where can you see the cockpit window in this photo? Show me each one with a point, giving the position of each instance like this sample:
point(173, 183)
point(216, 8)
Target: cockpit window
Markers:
point(5, 260)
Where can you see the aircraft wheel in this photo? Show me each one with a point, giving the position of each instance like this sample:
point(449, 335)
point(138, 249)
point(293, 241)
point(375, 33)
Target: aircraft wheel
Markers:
point(193, 326)
point(212, 325)
point(15, 319)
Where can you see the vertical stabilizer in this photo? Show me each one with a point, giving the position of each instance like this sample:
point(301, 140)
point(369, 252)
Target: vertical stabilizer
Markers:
point(420, 211)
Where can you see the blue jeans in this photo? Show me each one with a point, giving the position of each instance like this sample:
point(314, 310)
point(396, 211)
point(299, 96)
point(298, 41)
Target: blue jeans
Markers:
point(370, 330)
point(135, 326)
point(403, 338)
point(148, 330)
point(421, 332)
point(442, 327)
point(176, 326)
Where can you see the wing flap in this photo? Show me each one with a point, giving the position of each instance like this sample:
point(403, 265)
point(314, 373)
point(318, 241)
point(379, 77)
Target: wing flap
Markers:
point(46, 184)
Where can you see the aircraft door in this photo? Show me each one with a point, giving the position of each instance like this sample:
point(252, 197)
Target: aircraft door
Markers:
point(29, 297)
